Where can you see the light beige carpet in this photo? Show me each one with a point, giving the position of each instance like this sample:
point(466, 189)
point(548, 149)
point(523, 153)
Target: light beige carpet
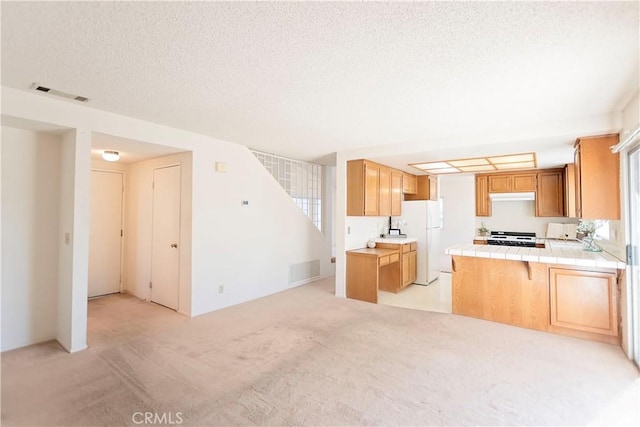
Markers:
point(304, 357)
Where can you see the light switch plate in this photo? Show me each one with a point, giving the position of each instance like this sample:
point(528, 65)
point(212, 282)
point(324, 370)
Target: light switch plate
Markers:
point(222, 167)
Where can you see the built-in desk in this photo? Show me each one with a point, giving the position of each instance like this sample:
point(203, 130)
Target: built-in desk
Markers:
point(368, 268)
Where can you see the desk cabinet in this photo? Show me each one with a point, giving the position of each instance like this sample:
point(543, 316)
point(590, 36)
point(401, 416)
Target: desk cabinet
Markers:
point(370, 269)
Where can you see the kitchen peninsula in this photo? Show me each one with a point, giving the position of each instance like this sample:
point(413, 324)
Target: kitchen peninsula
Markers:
point(559, 288)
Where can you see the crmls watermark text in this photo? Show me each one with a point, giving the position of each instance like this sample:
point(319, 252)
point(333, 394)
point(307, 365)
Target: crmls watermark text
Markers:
point(152, 418)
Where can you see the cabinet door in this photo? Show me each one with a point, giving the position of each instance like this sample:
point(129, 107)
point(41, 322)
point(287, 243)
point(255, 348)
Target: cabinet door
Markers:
point(406, 270)
point(570, 190)
point(500, 183)
point(483, 204)
point(384, 203)
point(576, 162)
point(550, 194)
point(413, 266)
point(371, 188)
point(599, 178)
point(467, 300)
point(584, 300)
point(396, 193)
point(433, 187)
point(524, 182)
point(409, 183)
point(423, 187)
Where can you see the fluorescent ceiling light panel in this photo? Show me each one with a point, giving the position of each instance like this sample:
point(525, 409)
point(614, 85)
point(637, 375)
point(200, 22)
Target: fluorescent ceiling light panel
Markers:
point(436, 165)
point(469, 162)
point(515, 158)
point(479, 164)
point(521, 165)
point(443, 170)
point(479, 168)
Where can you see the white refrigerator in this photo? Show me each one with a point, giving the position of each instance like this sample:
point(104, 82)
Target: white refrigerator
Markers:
point(423, 220)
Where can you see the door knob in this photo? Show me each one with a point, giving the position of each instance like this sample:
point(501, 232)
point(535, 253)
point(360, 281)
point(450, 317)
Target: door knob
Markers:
point(174, 245)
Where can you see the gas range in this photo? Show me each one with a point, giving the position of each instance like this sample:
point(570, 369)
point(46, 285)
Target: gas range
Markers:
point(512, 238)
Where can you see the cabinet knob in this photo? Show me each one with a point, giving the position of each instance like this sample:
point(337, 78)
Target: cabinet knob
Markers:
point(174, 245)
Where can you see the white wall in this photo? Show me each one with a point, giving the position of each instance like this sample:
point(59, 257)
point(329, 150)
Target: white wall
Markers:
point(73, 246)
point(30, 192)
point(458, 198)
point(362, 228)
point(248, 249)
point(518, 216)
point(138, 214)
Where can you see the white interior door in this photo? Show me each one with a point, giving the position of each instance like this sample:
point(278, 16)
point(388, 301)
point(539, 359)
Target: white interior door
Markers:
point(165, 257)
point(105, 233)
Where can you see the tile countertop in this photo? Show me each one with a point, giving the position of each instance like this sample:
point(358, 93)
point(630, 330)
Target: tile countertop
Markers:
point(554, 253)
point(396, 240)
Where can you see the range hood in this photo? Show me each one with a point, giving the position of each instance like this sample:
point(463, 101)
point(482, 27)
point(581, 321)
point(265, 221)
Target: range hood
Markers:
point(512, 197)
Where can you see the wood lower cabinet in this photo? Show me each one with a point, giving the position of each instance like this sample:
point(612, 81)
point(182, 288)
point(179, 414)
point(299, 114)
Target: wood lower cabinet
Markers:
point(575, 301)
point(584, 301)
point(408, 266)
point(550, 193)
point(512, 292)
point(483, 203)
point(597, 176)
point(413, 266)
point(369, 270)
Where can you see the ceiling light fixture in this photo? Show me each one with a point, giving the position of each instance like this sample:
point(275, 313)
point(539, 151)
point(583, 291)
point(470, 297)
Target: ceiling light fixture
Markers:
point(479, 164)
point(111, 156)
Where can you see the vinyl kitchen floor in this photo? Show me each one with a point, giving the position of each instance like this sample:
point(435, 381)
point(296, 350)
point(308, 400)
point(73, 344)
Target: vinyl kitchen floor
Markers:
point(433, 297)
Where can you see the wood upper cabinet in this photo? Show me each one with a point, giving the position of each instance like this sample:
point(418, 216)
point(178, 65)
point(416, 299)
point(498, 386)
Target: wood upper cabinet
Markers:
point(384, 207)
point(409, 183)
point(584, 301)
point(570, 190)
point(363, 182)
point(427, 188)
point(373, 189)
point(396, 192)
point(499, 183)
point(550, 193)
point(483, 204)
point(597, 175)
point(509, 182)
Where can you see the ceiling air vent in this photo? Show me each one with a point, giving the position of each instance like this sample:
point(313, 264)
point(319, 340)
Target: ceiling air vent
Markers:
point(59, 93)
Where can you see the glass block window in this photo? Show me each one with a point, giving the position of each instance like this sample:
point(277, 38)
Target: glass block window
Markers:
point(301, 180)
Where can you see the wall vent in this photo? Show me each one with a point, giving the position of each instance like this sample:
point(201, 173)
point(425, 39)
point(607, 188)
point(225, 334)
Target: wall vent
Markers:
point(59, 93)
point(304, 271)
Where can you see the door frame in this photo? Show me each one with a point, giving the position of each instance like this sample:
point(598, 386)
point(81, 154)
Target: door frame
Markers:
point(122, 219)
point(169, 165)
point(633, 293)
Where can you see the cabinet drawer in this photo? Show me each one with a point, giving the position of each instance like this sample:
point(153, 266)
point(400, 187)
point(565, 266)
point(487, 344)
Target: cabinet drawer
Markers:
point(394, 258)
point(413, 246)
point(383, 260)
point(406, 248)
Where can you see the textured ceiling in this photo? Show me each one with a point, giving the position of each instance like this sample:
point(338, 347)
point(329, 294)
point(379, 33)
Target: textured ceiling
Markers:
point(308, 79)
